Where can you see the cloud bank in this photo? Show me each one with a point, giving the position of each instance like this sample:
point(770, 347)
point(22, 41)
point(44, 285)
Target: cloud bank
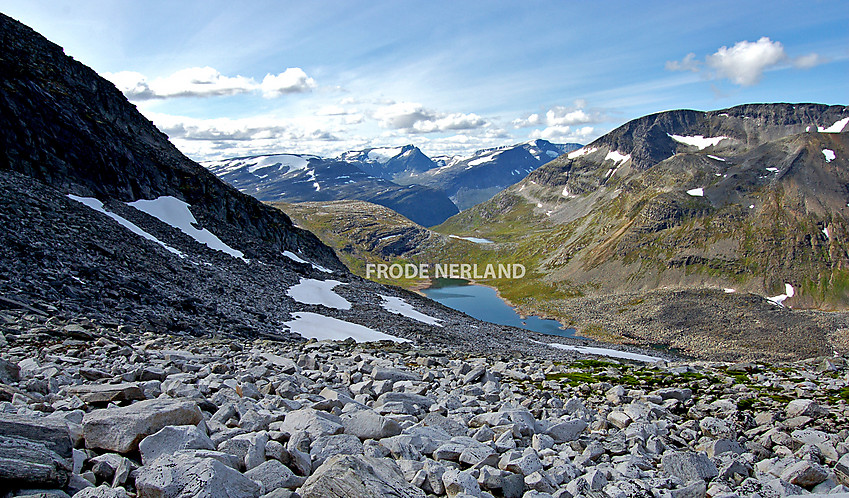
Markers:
point(208, 82)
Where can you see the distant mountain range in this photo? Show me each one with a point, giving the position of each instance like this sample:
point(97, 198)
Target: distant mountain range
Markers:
point(302, 178)
point(401, 178)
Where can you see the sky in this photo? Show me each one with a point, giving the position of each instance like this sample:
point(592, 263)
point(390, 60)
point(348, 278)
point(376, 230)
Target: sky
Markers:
point(230, 79)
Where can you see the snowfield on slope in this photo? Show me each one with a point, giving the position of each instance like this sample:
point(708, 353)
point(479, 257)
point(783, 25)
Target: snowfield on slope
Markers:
point(174, 212)
point(325, 328)
point(312, 291)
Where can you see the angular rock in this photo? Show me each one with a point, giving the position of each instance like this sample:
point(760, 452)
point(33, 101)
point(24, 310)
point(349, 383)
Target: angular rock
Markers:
point(26, 462)
point(312, 422)
point(458, 482)
point(274, 475)
point(101, 394)
point(346, 476)
point(185, 476)
point(567, 431)
point(325, 447)
point(689, 466)
point(368, 424)
point(121, 429)
point(805, 474)
point(171, 439)
point(804, 408)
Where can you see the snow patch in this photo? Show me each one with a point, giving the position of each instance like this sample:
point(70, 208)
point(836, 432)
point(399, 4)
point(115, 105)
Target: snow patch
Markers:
point(716, 158)
point(835, 128)
point(400, 307)
point(697, 140)
point(484, 159)
point(316, 186)
point(290, 161)
point(583, 151)
point(174, 212)
point(829, 155)
point(697, 192)
point(98, 206)
point(789, 292)
point(566, 192)
point(610, 353)
point(383, 155)
point(617, 157)
point(476, 240)
point(826, 233)
point(729, 291)
point(773, 170)
point(325, 328)
point(312, 291)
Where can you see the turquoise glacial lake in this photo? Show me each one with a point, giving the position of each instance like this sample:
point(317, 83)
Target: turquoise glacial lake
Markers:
point(484, 304)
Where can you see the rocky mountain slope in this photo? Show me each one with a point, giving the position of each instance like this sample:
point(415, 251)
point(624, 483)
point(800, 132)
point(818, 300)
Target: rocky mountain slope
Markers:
point(472, 180)
point(750, 198)
point(301, 178)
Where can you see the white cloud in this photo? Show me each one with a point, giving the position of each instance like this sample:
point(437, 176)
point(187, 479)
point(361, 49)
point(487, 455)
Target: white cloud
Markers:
point(809, 61)
point(559, 133)
point(208, 82)
point(688, 63)
point(292, 80)
point(415, 118)
point(562, 117)
point(744, 63)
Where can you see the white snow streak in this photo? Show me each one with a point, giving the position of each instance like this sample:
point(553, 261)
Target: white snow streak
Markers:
point(98, 206)
point(829, 155)
point(789, 292)
point(400, 307)
point(383, 155)
point(476, 240)
point(294, 257)
point(697, 192)
point(697, 140)
point(610, 353)
point(583, 151)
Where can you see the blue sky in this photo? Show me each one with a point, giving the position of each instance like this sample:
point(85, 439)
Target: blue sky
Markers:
point(224, 79)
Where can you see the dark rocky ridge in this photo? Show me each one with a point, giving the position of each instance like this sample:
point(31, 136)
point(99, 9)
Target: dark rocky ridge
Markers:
point(66, 126)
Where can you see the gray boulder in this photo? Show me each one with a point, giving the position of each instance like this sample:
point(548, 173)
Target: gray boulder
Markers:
point(121, 429)
point(34, 451)
point(368, 424)
point(339, 444)
point(312, 422)
point(274, 475)
point(689, 466)
point(185, 476)
point(173, 438)
point(357, 475)
point(101, 394)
